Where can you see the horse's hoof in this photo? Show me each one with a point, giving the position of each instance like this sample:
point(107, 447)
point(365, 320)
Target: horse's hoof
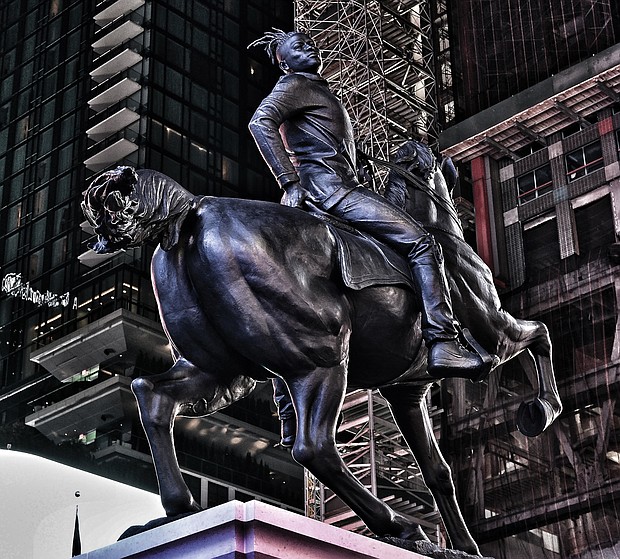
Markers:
point(139, 529)
point(179, 505)
point(429, 549)
point(534, 417)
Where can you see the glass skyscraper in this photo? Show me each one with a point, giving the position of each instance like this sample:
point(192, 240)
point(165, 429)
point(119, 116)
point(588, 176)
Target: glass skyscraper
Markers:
point(87, 86)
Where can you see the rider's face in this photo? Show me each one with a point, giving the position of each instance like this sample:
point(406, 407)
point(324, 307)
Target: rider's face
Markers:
point(299, 54)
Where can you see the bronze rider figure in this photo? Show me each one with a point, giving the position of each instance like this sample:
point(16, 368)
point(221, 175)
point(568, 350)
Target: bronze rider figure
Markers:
point(305, 136)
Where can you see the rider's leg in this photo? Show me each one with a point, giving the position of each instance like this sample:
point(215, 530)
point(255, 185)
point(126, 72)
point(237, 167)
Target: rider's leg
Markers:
point(286, 413)
point(376, 216)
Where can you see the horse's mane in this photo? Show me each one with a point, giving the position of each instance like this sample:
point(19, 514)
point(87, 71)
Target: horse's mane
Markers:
point(109, 194)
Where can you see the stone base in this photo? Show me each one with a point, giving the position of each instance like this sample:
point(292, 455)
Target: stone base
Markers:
point(252, 530)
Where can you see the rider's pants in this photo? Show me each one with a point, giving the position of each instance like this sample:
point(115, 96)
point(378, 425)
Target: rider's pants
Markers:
point(282, 400)
point(374, 215)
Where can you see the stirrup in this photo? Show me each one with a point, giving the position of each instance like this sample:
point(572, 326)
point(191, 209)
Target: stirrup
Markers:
point(489, 361)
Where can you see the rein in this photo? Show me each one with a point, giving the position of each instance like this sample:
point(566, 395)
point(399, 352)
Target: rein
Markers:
point(420, 185)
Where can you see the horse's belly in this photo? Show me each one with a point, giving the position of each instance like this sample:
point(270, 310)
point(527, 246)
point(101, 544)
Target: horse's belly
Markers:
point(386, 338)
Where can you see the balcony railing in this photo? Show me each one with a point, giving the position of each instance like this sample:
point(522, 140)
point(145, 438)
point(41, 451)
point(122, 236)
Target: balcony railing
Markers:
point(110, 10)
point(118, 32)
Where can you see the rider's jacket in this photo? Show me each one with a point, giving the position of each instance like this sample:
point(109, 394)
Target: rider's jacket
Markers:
point(303, 131)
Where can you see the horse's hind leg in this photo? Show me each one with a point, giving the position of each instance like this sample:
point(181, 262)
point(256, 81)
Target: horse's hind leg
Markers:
point(411, 415)
point(159, 398)
point(318, 398)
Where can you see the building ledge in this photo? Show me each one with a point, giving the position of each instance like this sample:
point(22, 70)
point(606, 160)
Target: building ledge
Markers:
point(120, 451)
point(91, 258)
point(114, 94)
point(538, 111)
point(111, 336)
point(116, 9)
point(124, 32)
point(110, 155)
point(123, 60)
point(92, 408)
point(114, 123)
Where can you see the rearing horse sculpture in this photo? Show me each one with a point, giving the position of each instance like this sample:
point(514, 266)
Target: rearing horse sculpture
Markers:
point(248, 290)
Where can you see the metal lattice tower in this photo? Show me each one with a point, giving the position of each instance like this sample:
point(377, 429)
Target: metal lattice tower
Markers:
point(371, 446)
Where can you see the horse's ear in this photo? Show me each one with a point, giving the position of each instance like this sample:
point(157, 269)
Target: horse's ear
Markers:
point(449, 173)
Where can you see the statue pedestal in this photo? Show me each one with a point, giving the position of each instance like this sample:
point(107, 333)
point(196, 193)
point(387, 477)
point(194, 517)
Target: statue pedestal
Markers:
point(254, 530)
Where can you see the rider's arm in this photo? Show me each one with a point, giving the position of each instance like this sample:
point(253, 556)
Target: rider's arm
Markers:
point(264, 126)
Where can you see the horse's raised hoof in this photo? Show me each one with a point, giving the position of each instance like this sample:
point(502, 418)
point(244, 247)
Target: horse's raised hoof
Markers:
point(534, 417)
point(429, 549)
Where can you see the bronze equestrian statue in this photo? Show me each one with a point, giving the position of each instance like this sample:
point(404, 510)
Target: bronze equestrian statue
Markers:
point(249, 291)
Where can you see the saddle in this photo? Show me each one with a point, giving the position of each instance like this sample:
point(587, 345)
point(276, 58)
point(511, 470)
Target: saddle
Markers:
point(364, 261)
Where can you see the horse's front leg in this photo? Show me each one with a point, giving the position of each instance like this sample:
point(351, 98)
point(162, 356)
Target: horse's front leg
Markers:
point(318, 397)
point(535, 416)
point(409, 409)
point(159, 398)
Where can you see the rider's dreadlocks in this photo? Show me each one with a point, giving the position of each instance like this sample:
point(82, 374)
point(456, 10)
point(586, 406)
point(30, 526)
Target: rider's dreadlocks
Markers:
point(272, 41)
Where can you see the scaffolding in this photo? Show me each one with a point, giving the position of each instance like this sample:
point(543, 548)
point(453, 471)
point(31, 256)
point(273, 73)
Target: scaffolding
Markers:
point(378, 58)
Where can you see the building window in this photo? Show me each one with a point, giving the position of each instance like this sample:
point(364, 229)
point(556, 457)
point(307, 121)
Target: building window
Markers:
point(541, 244)
point(595, 225)
point(585, 122)
point(584, 161)
point(583, 331)
point(529, 149)
point(535, 183)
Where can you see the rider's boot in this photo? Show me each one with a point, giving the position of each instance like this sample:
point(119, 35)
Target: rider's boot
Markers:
point(288, 431)
point(447, 357)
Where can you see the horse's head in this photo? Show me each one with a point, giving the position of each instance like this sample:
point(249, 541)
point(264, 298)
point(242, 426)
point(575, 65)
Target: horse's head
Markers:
point(126, 207)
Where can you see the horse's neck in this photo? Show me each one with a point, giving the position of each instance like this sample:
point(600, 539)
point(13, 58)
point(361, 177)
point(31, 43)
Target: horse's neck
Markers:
point(172, 204)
